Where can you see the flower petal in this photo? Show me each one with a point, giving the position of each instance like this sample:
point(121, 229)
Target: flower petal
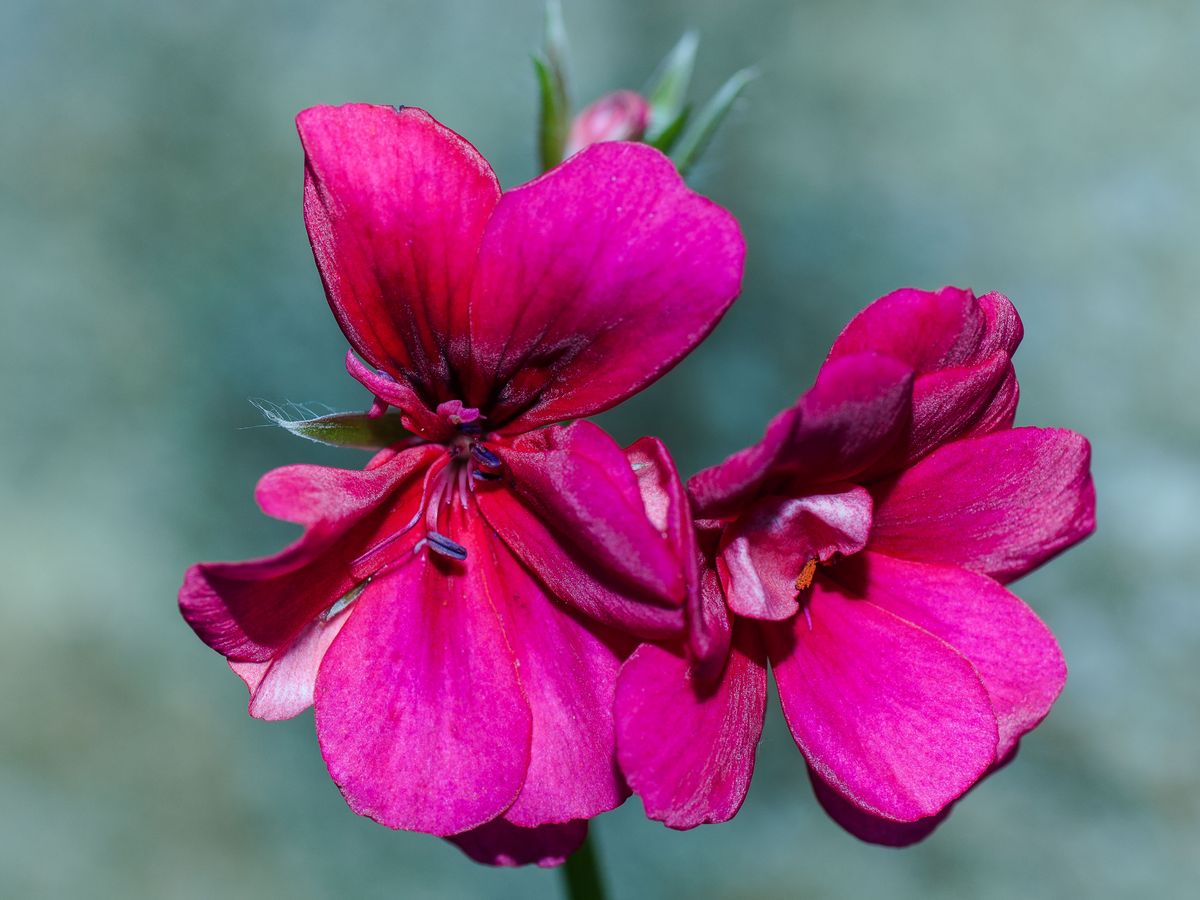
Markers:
point(960, 347)
point(1000, 504)
point(569, 676)
point(571, 509)
point(854, 414)
point(283, 687)
point(500, 843)
point(768, 555)
point(1014, 652)
point(689, 753)
point(892, 716)
point(594, 280)
point(419, 710)
point(396, 205)
point(252, 611)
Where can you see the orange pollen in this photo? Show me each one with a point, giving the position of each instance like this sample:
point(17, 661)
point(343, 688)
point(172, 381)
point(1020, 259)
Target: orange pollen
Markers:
point(806, 575)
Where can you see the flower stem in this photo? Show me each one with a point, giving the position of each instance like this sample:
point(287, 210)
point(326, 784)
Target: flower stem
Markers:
point(581, 873)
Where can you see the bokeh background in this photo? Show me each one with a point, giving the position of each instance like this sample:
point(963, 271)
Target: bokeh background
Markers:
point(155, 275)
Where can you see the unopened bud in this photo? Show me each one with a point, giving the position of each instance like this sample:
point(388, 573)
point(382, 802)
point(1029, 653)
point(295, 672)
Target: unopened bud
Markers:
point(619, 116)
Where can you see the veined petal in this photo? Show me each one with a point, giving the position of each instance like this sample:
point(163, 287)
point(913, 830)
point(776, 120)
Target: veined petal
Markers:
point(419, 710)
point(1011, 648)
point(569, 673)
point(252, 611)
point(688, 750)
point(854, 414)
point(769, 555)
point(594, 280)
point(396, 205)
point(1000, 504)
point(889, 714)
point(500, 843)
point(571, 509)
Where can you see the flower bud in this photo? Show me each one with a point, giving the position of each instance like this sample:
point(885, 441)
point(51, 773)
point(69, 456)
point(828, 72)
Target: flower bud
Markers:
point(619, 116)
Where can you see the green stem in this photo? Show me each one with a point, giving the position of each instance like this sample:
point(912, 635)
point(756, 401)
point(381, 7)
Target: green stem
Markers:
point(581, 873)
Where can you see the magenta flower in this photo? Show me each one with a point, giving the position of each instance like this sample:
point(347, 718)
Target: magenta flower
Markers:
point(453, 611)
point(862, 547)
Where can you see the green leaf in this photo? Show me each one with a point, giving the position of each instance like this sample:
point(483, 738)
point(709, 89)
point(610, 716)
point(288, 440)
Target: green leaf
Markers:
point(697, 139)
point(666, 140)
point(669, 86)
point(344, 429)
point(554, 119)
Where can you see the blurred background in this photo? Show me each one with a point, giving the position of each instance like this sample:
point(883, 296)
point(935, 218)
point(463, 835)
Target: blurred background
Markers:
point(156, 275)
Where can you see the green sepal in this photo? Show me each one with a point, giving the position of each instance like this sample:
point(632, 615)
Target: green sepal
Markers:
point(666, 140)
point(698, 136)
point(668, 87)
point(343, 429)
point(550, 69)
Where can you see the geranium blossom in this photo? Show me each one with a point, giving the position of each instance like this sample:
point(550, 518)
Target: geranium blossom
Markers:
point(454, 611)
point(862, 548)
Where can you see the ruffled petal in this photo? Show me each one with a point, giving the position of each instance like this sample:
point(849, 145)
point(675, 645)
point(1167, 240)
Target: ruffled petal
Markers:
point(853, 415)
point(396, 205)
point(569, 675)
point(770, 553)
point(500, 843)
point(252, 611)
point(594, 280)
point(571, 509)
point(1011, 648)
point(1000, 504)
point(419, 710)
point(688, 752)
point(893, 717)
point(960, 347)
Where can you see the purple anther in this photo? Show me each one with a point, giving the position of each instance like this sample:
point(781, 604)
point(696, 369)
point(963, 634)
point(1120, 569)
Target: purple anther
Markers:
point(481, 475)
point(446, 547)
point(485, 457)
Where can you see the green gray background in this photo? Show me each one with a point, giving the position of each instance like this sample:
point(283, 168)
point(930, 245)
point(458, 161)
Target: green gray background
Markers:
point(156, 275)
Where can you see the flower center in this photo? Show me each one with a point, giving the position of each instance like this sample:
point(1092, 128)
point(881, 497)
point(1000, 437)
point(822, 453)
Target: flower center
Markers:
point(448, 482)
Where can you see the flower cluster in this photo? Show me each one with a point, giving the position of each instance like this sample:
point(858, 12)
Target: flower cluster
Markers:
point(506, 621)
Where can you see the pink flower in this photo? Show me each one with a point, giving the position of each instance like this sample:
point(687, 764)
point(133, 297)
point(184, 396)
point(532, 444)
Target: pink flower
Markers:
point(862, 547)
point(453, 611)
point(618, 116)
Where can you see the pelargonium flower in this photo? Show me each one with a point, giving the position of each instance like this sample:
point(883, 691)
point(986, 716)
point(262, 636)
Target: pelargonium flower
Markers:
point(862, 548)
point(455, 610)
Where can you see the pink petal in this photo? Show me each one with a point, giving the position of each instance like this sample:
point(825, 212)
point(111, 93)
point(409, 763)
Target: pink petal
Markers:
point(571, 509)
point(419, 710)
point(1014, 652)
point(689, 752)
point(251, 611)
point(932, 330)
point(887, 832)
point(594, 280)
point(500, 843)
point(960, 348)
point(396, 205)
point(569, 676)
point(283, 687)
point(853, 415)
point(1000, 504)
point(768, 554)
point(890, 715)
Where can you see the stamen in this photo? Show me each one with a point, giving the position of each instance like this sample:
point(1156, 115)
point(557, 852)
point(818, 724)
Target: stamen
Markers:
point(463, 481)
point(345, 600)
point(806, 575)
point(480, 475)
point(485, 457)
point(446, 547)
